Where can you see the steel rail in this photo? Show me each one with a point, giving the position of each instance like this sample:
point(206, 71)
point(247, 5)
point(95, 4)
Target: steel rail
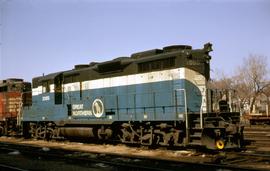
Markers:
point(120, 161)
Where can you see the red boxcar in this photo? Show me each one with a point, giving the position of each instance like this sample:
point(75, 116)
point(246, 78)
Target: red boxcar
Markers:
point(10, 104)
point(14, 93)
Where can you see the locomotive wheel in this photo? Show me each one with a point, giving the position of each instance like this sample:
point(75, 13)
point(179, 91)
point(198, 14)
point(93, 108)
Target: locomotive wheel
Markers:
point(40, 133)
point(104, 134)
point(32, 130)
point(44, 133)
point(49, 133)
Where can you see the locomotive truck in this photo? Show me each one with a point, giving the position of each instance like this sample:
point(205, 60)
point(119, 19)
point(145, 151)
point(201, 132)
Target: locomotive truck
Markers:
point(155, 97)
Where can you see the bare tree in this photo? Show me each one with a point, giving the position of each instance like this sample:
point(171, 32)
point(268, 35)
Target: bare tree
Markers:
point(223, 89)
point(251, 79)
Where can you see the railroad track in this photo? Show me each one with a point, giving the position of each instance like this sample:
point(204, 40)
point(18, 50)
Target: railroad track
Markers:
point(100, 161)
point(10, 168)
point(257, 136)
point(248, 159)
point(257, 157)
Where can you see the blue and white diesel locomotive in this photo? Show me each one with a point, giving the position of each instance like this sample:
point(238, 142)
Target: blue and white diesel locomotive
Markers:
point(156, 97)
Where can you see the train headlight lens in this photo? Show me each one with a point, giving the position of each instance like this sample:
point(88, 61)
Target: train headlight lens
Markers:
point(220, 144)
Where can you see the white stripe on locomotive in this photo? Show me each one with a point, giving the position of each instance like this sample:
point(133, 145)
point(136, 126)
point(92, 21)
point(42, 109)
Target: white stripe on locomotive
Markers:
point(151, 77)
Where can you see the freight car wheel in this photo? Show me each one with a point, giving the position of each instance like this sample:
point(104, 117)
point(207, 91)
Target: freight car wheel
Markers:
point(1, 131)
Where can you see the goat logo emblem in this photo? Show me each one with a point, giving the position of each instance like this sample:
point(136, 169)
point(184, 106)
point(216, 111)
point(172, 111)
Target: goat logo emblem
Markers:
point(97, 108)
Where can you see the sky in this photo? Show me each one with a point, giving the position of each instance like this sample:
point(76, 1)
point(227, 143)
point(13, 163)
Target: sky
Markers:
point(41, 37)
